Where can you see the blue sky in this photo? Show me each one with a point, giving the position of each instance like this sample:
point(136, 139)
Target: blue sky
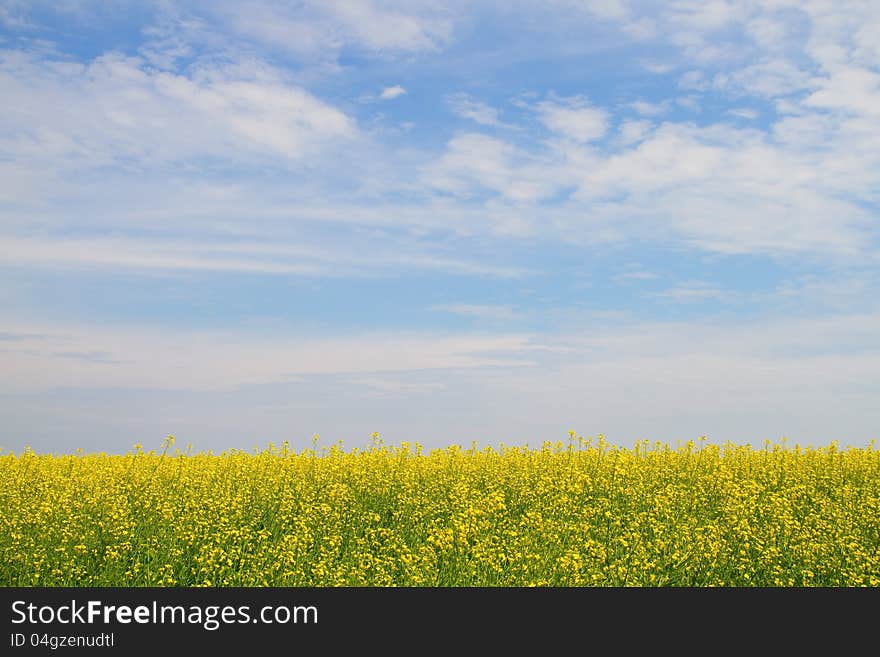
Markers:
point(243, 223)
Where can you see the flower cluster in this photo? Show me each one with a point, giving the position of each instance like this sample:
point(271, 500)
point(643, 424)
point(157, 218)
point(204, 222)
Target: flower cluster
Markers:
point(581, 513)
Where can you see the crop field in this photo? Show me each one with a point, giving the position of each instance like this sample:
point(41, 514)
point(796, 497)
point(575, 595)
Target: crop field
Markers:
point(575, 513)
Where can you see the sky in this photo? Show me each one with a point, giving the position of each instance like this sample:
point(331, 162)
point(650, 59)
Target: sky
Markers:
point(243, 223)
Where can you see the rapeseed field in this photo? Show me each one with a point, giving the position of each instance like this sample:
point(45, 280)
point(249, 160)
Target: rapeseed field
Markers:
point(572, 513)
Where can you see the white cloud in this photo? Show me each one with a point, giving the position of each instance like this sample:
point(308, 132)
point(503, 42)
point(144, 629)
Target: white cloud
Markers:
point(479, 311)
point(850, 90)
point(13, 15)
point(835, 292)
point(634, 131)
point(735, 191)
point(657, 68)
point(867, 43)
point(116, 110)
point(216, 360)
point(387, 387)
point(607, 9)
point(143, 254)
point(292, 259)
point(464, 106)
point(640, 28)
point(805, 185)
point(574, 118)
point(473, 161)
point(378, 27)
point(707, 15)
point(693, 80)
point(321, 28)
point(743, 113)
point(698, 28)
point(673, 154)
point(799, 189)
point(740, 381)
point(388, 93)
point(645, 108)
point(473, 158)
point(637, 275)
point(769, 32)
point(693, 291)
point(768, 79)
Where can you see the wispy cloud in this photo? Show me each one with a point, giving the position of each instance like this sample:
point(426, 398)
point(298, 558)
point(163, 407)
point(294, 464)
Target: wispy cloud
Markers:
point(574, 118)
point(119, 111)
point(645, 108)
point(476, 162)
point(743, 113)
point(657, 68)
point(387, 387)
point(466, 107)
point(242, 257)
point(686, 379)
point(637, 275)
point(80, 357)
point(18, 337)
point(694, 291)
point(634, 131)
point(319, 29)
point(478, 311)
point(98, 357)
point(389, 93)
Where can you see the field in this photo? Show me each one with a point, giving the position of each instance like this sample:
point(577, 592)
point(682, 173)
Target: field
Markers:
point(575, 513)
